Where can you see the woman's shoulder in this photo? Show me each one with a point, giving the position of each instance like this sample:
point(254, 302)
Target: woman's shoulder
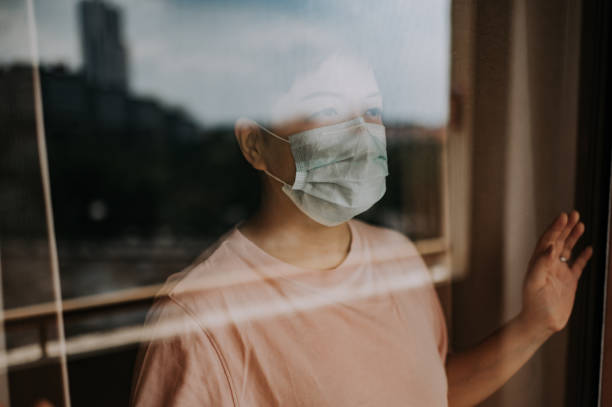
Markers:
point(381, 235)
point(203, 283)
point(202, 266)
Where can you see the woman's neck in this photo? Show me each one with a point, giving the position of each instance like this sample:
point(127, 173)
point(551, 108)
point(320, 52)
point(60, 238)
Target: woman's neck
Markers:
point(285, 232)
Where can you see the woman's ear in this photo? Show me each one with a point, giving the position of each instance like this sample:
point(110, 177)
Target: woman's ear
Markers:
point(248, 136)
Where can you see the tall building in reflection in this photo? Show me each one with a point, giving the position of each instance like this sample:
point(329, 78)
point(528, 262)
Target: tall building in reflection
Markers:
point(105, 61)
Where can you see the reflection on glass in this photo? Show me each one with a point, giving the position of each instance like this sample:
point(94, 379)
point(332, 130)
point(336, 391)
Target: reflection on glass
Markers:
point(141, 101)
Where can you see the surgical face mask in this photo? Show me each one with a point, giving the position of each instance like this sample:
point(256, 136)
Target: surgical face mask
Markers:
point(340, 170)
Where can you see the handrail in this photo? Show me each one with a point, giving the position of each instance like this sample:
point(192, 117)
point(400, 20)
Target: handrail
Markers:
point(431, 246)
point(82, 304)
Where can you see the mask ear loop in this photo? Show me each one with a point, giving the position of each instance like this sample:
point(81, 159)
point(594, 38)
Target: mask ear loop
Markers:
point(270, 132)
point(281, 139)
point(276, 178)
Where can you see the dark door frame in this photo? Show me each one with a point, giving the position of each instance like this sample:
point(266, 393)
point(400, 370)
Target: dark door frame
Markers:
point(606, 367)
point(592, 199)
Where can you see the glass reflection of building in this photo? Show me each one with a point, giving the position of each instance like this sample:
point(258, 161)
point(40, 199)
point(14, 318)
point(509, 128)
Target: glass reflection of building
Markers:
point(92, 105)
point(154, 169)
point(139, 188)
point(126, 167)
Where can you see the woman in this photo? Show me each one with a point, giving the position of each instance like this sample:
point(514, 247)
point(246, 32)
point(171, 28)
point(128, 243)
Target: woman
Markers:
point(301, 305)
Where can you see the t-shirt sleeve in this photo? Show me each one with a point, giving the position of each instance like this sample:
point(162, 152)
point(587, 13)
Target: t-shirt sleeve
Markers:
point(180, 365)
point(440, 323)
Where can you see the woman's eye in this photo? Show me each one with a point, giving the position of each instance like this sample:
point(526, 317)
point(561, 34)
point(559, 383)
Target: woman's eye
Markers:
point(374, 112)
point(325, 113)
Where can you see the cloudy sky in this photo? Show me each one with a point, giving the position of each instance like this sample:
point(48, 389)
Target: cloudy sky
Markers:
point(216, 58)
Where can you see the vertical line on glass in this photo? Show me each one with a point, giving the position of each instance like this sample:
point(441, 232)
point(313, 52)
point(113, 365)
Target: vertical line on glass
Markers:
point(44, 170)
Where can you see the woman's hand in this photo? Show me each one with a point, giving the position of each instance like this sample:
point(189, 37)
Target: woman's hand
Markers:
point(549, 289)
point(550, 285)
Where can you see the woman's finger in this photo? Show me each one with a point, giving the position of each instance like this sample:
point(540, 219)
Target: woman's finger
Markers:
point(571, 240)
point(551, 234)
point(581, 261)
point(572, 221)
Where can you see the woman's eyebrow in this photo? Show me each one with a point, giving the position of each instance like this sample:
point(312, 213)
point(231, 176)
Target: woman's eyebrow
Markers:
point(317, 94)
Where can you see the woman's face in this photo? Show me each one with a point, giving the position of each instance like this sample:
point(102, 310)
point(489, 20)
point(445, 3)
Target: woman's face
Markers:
point(341, 89)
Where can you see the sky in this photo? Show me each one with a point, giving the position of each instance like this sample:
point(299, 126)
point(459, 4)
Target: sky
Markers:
point(218, 59)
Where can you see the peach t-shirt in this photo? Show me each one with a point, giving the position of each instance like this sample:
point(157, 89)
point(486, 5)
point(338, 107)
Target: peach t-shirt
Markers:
point(242, 328)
